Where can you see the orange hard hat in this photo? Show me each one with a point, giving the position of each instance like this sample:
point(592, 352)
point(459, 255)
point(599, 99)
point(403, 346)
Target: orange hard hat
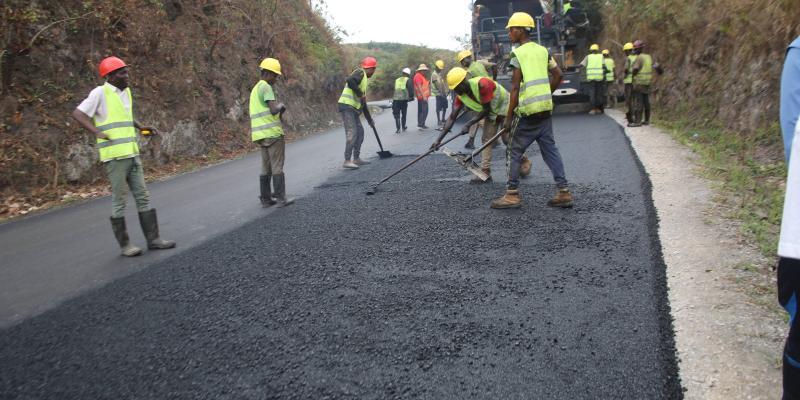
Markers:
point(109, 65)
point(369, 62)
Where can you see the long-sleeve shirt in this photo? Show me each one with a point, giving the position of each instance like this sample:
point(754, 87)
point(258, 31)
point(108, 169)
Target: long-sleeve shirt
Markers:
point(353, 82)
point(422, 87)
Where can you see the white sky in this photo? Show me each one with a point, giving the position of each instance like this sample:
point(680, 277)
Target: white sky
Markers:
point(433, 23)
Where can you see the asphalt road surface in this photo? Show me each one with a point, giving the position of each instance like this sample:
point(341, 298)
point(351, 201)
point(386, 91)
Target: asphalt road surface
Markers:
point(420, 291)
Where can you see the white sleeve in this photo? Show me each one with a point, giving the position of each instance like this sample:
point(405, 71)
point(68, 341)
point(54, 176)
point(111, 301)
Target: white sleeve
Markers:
point(789, 243)
point(89, 105)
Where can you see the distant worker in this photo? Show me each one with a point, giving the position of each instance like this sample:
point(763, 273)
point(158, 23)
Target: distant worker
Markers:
point(352, 103)
point(475, 69)
point(108, 114)
point(789, 242)
point(266, 129)
point(403, 93)
point(595, 75)
point(439, 90)
point(628, 79)
point(531, 100)
point(609, 74)
point(490, 101)
point(422, 91)
point(642, 71)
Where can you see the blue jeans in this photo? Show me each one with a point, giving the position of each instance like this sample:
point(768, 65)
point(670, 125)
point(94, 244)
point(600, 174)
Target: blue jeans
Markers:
point(525, 131)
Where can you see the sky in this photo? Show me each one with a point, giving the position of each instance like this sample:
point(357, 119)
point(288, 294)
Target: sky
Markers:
point(432, 23)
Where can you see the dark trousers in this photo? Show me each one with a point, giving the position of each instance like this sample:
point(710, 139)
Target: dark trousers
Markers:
point(641, 103)
point(598, 94)
point(525, 131)
point(788, 297)
point(399, 110)
point(422, 112)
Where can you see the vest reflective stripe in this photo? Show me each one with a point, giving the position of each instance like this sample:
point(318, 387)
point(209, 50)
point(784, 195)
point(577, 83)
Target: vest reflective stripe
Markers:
point(349, 97)
point(594, 67)
point(535, 95)
point(610, 67)
point(498, 105)
point(118, 126)
point(645, 75)
point(629, 69)
point(400, 88)
point(477, 69)
point(263, 125)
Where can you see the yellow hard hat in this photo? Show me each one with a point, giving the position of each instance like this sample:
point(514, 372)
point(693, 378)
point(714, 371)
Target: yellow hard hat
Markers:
point(271, 64)
point(594, 47)
point(455, 76)
point(605, 52)
point(463, 54)
point(627, 46)
point(520, 20)
point(439, 64)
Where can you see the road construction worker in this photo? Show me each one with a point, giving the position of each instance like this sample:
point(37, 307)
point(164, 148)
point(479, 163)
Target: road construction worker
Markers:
point(609, 74)
point(642, 71)
point(439, 90)
point(352, 103)
point(532, 103)
point(595, 75)
point(789, 242)
point(490, 101)
point(108, 114)
point(628, 79)
point(475, 69)
point(422, 91)
point(266, 130)
point(403, 93)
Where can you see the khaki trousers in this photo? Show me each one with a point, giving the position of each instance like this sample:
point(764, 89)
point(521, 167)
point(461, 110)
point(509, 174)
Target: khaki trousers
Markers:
point(124, 174)
point(272, 155)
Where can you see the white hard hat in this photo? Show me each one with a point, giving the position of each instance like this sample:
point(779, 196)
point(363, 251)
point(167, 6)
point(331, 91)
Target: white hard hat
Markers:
point(407, 71)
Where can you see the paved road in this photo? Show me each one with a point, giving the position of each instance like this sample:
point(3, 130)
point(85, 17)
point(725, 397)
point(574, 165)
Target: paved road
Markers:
point(420, 291)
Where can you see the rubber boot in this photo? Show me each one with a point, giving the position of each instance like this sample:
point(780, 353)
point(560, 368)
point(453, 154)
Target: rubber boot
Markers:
point(121, 233)
point(149, 222)
point(470, 143)
point(279, 181)
point(525, 167)
point(397, 124)
point(266, 191)
point(562, 199)
point(646, 117)
point(475, 180)
point(511, 199)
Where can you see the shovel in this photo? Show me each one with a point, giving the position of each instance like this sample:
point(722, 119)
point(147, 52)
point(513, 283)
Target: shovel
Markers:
point(383, 153)
point(466, 160)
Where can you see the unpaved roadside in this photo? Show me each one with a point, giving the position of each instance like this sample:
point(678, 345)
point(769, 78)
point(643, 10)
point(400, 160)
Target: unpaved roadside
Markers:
point(727, 331)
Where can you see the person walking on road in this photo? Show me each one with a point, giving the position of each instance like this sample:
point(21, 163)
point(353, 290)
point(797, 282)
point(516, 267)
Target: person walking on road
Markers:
point(610, 79)
point(108, 114)
point(403, 93)
point(627, 81)
point(531, 101)
point(352, 103)
point(595, 75)
point(475, 69)
point(642, 71)
point(422, 91)
point(789, 243)
point(266, 130)
point(439, 90)
point(490, 101)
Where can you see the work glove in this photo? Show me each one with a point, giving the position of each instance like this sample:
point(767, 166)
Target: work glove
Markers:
point(148, 131)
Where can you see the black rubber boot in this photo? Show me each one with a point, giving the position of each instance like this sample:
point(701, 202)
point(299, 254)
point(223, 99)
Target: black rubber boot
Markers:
point(279, 181)
point(266, 191)
point(121, 233)
point(397, 124)
point(149, 222)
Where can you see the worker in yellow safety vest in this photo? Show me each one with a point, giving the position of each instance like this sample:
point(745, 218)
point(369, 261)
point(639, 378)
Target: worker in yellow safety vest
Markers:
point(595, 75)
point(352, 103)
point(475, 69)
point(642, 70)
point(627, 80)
point(108, 114)
point(609, 74)
point(403, 93)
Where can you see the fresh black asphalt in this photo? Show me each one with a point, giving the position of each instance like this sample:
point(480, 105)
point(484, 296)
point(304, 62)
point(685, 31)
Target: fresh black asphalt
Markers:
point(420, 291)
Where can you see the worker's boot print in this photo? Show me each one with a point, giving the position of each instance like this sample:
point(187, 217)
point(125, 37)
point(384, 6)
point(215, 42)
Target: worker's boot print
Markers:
point(121, 233)
point(279, 182)
point(563, 199)
point(475, 180)
point(511, 199)
point(525, 167)
point(149, 222)
point(266, 191)
point(470, 143)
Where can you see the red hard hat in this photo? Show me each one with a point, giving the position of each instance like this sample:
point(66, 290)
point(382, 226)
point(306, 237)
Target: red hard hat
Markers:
point(109, 65)
point(369, 62)
point(638, 44)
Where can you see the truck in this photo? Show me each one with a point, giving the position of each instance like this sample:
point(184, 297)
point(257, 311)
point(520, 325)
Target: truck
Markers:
point(563, 33)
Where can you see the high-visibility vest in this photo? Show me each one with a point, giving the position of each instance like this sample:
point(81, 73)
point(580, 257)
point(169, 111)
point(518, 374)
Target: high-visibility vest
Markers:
point(645, 75)
point(436, 80)
point(118, 126)
point(629, 69)
point(349, 97)
point(477, 69)
point(534, 94)
point(400, 88)
point(422, 91)
point(498, 105)
point(263, 125)
point(594, 67)
point(567, 7)
point(610, 67)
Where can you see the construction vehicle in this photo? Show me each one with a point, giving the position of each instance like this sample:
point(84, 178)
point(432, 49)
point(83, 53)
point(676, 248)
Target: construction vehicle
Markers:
point(565, 35)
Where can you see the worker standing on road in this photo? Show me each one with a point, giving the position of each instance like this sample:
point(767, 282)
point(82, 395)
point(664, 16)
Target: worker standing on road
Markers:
point(609, 74)
point(628, 79)
point(439, 90)
point(475, 69)
point(531, 101)
point(595, 74)
point(642, 71)
point(403, 93)
point(789, 243)
point(266, 130)
point(352, 102)
point(490, 100)
point(422, 91)
point(108, 114)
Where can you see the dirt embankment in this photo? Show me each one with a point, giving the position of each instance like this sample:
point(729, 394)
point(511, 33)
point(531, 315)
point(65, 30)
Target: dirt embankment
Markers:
point(193, 63)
